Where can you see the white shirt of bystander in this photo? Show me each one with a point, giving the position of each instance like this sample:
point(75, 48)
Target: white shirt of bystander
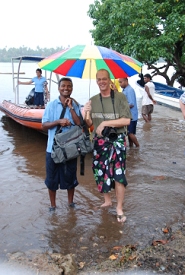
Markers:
point(146, 100)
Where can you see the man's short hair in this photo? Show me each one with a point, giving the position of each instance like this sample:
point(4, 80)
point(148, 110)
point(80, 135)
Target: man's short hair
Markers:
point(39, 70)
point(148, 76)
point(65, 79)
point(103, 70)
point(124, 78)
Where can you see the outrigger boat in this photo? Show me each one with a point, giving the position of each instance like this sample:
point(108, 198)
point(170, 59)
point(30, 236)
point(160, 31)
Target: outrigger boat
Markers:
point(24, 114)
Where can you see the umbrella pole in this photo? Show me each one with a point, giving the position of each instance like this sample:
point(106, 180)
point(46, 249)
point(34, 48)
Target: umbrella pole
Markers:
point(90, 77)
point(88, 114)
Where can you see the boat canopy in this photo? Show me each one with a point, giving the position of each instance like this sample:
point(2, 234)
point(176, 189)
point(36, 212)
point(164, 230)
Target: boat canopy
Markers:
point(16, 76)
point(29, 58)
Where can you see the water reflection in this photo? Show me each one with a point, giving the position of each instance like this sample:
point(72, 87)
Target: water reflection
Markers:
point(29, 144)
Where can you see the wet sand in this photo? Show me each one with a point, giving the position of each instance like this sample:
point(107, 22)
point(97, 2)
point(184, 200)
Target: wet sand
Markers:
point(154, 197)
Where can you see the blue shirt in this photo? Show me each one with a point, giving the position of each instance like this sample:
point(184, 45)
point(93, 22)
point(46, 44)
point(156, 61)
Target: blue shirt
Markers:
point(39, 83)
point(131, 98)
point(52, 113)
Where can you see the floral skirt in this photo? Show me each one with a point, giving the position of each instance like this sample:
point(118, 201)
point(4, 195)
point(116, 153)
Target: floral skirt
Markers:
point(109, 162)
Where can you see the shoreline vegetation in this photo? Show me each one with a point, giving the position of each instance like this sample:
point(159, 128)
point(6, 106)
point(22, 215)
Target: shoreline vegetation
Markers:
point(7, 53)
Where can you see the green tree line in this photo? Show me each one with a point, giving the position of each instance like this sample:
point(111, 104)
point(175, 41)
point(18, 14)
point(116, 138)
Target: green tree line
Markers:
point(144, 29)
point(7, 53)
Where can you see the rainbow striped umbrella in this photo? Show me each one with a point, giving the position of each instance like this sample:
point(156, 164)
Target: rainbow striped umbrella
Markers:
point(83, 62)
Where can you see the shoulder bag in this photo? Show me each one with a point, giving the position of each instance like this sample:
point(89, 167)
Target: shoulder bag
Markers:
point(72, 143)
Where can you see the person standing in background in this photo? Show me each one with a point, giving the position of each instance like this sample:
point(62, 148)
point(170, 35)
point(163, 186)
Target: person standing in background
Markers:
point(129, 92)
point(148, 100)
point(40, 88)
point(182, 104)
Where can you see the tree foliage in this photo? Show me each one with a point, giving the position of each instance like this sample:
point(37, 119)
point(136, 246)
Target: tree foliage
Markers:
point(7, 54)
point(144, 29)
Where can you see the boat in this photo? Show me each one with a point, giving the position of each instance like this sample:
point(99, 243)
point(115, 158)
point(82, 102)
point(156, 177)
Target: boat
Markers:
point(24, 114)
point(165, 95)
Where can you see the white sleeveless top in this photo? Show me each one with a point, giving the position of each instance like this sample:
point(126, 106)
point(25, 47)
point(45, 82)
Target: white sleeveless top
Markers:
point(146, 100)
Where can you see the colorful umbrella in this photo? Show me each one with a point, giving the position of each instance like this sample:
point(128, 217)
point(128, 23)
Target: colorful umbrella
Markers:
point(83, 62)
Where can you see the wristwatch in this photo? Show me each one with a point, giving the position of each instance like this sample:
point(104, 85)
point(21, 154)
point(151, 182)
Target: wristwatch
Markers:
point(72, 108)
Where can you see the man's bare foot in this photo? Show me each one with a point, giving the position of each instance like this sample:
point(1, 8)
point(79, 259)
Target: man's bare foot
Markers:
point(106, 204)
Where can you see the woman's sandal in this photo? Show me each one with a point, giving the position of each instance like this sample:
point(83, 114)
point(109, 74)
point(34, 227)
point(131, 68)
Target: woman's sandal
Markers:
point(121, 218)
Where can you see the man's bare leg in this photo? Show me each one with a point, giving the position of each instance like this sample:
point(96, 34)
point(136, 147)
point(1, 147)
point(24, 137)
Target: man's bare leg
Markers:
point(149, 117)
point(108, 201)
point(133, 139)
point(52, 196)
point(145, 118)
point(70, 193)
point(130, 141)
point(120, 194)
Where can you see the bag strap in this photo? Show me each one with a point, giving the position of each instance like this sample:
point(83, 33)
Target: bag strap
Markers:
point(112, 99)
point(86, 131)
point(82, 121)
point(61, 116)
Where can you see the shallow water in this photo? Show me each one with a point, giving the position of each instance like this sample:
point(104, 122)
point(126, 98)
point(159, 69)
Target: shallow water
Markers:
point(88, 231)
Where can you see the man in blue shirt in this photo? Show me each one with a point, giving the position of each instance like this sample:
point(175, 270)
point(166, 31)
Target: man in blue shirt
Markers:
point(60, 175)
point(40, 88)
point(131, 98)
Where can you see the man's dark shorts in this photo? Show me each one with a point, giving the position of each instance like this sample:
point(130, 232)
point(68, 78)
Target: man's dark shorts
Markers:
point(39, 99)
point(132, 127)
point(60, 175)
point(147, 109)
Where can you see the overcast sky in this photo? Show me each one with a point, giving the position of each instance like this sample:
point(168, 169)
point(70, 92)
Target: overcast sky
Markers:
point(44, 23)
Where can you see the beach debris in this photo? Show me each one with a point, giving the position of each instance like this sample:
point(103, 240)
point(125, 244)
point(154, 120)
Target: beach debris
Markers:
point(132, 257)
point(113, 257)
point(81, 265)
point(166, 230)
point(158, 242)
point(81, 239)
point(124, 254)
point(117, 248)
point(83, 247)
point(65, 263)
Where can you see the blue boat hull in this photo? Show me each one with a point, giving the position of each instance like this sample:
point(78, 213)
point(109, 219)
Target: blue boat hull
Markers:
point(166, 90)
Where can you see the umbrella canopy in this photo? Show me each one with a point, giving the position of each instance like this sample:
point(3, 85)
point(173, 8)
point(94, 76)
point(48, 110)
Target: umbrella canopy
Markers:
point(84, 61)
